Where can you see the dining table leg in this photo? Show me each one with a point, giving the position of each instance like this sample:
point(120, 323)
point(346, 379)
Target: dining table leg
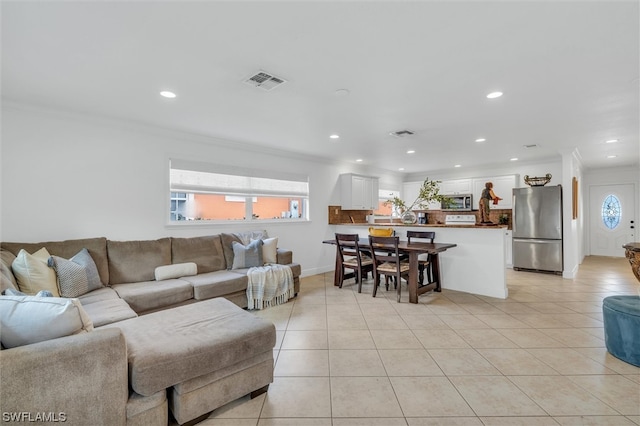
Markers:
point(337, 278)
point(436, 272)
point(413, 277)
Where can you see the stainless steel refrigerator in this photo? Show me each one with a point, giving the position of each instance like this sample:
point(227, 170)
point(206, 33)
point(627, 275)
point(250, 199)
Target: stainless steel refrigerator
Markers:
point(537, 228)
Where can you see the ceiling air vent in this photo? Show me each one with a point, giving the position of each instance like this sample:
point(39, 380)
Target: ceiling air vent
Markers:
point(401, 133)
point(533, 145)
point(264, 80)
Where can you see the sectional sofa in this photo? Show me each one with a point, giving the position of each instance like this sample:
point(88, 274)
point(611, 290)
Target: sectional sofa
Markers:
point(181, 343)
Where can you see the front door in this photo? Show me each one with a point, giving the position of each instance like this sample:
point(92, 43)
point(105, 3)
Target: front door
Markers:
point(612, 218)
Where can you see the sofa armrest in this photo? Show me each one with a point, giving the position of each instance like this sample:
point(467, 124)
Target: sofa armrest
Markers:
point(82, 378)
point(284, 257)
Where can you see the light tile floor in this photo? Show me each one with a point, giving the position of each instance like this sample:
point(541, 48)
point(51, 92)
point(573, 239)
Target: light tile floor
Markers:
point(536, 358)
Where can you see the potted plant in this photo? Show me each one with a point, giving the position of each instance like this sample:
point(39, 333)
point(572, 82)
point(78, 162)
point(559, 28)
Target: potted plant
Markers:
point(429, 192)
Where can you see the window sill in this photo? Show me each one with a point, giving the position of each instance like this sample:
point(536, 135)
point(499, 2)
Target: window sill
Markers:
point(218, 223)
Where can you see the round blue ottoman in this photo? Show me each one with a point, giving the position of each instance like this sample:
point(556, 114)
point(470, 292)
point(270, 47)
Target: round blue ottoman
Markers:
point(622, 327)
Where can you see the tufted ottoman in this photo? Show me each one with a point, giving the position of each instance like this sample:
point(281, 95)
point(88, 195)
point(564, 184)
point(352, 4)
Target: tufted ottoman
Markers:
point(205, 355)
point(622, 327)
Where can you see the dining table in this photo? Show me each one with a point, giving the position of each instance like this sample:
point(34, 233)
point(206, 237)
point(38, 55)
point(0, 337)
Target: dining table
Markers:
point(412, 250)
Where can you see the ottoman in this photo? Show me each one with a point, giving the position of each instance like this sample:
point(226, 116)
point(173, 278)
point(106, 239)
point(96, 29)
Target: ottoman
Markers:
point(205, 354)
point(622, 327)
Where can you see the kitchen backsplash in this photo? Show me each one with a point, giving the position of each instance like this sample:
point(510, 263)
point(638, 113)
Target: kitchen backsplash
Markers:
point(338, 216)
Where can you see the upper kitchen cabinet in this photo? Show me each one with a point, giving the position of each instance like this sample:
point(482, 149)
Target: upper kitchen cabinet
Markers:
point(456, 186)
point(502, 187)
point(358, 192)
point(411, 190)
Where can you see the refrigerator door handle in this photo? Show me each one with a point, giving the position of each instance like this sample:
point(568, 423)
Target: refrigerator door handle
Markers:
point(537, 241)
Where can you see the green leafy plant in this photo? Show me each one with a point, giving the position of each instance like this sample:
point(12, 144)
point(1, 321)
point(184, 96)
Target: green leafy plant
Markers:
point(429, 192)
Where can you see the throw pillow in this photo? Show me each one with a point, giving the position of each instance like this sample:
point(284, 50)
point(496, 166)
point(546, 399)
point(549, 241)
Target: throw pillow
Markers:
point(76, 276)
point(270, 250)
point(247, 256)
point(14, 292)
point(33, 274)
point(29, 319)
point(176, 270)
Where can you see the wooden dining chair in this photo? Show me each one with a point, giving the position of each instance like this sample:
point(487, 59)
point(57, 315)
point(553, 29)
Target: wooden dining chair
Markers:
point(387, 261)
point(352, 257)
point(424, 260)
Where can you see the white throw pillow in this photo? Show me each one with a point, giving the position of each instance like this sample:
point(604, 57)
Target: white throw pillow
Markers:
point(176, 270)
point(270, 250)
point(33, 274)
point(28, 319)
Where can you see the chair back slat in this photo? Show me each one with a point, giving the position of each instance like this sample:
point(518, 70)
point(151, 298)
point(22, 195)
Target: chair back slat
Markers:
point(384, 249)
point(348, 245)
point(425, 235)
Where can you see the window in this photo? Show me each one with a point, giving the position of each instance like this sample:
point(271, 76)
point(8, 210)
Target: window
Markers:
point(203, 192)
point(611, 211)
point(386, 210)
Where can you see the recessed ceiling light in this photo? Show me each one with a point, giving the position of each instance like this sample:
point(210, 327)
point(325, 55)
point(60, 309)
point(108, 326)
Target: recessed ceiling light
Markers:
point(411, 151)
point(359, 160)
point(401, 169)
point(611, 156)
point(334, 136)
point(167, 94)
point(341, 92)
point(494, 95)
point(480, 140)
point(513, 159)
point(611, 141)
point(458, 165)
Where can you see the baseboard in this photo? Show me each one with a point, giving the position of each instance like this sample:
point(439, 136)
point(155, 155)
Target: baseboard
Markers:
point(316, 271)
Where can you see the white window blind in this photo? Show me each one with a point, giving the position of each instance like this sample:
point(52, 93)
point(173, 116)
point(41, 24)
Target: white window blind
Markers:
point(218, 179)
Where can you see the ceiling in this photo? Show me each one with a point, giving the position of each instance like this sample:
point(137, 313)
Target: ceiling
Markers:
point(568, 70)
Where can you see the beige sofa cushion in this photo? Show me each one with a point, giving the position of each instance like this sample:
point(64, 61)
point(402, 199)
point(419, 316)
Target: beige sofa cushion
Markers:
point(28, 319)
point(148, 295)
point(104, 293)
point(66, 249)
point(7, 279)
point(205, 251)
point(216, 284)
point(136, 261)
point(175, 345)
point(108, 311)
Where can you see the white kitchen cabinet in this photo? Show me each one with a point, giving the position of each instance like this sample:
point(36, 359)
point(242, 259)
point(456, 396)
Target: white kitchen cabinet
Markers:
point(508, 248)
point(502, 187)
point(411, 190)
point(456, 186)
point(358, 192)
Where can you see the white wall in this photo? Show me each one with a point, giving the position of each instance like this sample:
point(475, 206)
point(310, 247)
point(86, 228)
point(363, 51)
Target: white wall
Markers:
point(68, 176)
point(573, 229)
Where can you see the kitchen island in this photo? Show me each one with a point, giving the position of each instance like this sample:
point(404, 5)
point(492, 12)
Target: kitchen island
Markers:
point(476, 266)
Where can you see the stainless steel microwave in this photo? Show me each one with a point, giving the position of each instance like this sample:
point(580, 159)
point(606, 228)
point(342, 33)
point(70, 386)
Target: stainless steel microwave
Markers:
point(458, 202)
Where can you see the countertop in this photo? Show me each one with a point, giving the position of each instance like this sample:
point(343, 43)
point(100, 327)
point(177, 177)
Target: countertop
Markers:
point(428, 225)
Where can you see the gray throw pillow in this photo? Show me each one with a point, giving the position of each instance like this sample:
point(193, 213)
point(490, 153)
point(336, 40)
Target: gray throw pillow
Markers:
point(13, 292)
point(247, 256)
point(76, 276)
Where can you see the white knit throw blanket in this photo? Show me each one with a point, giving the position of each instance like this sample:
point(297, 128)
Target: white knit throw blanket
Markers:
point(269, 285)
